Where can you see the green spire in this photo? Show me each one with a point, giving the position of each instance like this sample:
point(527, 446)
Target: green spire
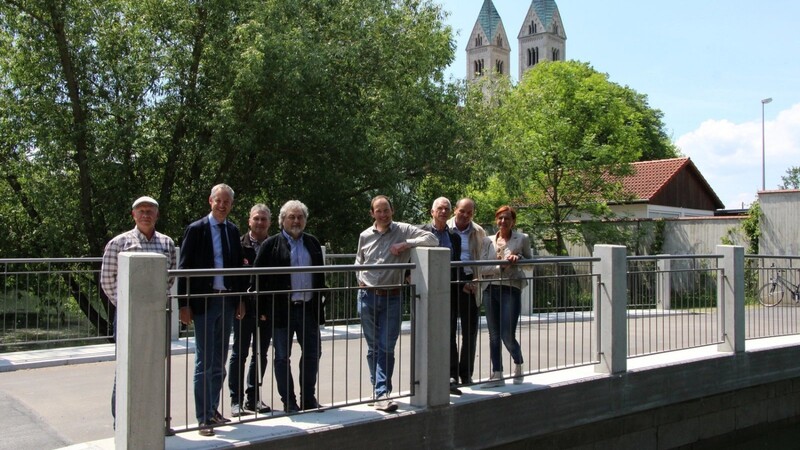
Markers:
point(489, 19)
point(545, 9)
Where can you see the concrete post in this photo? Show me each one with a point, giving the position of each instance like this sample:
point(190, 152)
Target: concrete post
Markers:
point(610, 308)
point(663, 284)
point(141, 340)
point(431, 340)
point(730, 298)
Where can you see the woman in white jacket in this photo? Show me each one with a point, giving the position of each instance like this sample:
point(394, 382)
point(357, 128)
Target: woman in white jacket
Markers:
point(502, 298)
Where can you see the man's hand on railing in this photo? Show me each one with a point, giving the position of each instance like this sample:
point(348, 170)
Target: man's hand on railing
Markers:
point(240, 310)
point(186, 315)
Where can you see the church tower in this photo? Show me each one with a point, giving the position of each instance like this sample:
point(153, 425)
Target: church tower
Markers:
point(542, 36)
point(488, 50)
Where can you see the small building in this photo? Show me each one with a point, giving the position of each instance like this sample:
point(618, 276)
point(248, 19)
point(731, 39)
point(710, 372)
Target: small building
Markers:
point(666, 188)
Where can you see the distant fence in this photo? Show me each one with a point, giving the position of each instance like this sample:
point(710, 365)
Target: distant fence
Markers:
point(51, 302)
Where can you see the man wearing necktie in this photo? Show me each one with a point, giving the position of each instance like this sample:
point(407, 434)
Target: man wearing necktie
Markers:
point(213, 302)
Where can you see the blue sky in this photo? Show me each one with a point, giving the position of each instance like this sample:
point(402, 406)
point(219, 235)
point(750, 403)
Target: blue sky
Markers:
point(706, 64)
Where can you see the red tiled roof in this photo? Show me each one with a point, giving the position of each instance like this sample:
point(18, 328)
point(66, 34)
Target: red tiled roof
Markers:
point(649, 177)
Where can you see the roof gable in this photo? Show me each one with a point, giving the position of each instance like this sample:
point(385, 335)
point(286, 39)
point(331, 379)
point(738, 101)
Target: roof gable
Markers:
point(655, 179)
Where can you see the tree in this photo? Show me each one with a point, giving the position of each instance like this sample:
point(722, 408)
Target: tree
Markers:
point(565, 134)
point(328, 102)
point(792, 178)
point(342, 101)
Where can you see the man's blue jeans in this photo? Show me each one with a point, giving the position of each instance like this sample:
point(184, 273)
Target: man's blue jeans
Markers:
point(304, 324)
point(380, 322)
point(212, 331)
point(503, 305)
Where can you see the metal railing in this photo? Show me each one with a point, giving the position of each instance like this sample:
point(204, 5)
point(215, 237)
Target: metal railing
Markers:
point(556, 327)
point(57, 302)
point(772, 296)
point(672, 303)
point(52, 302)
point(343, 377)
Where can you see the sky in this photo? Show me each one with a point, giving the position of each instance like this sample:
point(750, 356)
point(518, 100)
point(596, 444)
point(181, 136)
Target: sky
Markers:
point(706, 64)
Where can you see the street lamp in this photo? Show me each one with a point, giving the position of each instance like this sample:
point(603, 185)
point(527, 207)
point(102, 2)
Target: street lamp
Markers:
point(763, 159)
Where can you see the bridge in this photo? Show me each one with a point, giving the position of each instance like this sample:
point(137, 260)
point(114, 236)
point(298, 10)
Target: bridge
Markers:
point(607, 373)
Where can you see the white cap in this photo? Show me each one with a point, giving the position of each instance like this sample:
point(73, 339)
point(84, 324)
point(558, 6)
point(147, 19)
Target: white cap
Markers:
point(144, 199)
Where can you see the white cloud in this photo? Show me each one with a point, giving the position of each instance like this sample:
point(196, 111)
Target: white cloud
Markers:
point(729, 154)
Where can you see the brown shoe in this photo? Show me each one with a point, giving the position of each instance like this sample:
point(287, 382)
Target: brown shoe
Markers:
point(218, 419)
point(206, 429)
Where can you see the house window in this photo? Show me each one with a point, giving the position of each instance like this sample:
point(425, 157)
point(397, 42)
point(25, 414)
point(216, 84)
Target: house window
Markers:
point(499, 66)
point(478, 40)
point(499, 41)
point(532, 27)
point(556, 54)
point(555, 28)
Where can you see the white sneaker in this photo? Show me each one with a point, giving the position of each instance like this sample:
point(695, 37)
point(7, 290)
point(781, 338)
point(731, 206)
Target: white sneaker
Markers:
point(385, 404)
point(495, 380)
point(518, 376)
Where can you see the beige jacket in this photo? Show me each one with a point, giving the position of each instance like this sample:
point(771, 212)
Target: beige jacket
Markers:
point(509, 275)
point(477, 242)
point(477, 247)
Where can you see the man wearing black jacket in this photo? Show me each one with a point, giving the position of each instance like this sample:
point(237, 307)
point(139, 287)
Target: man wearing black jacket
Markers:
point(253, 328)
point(211, 242)
point(294, 303)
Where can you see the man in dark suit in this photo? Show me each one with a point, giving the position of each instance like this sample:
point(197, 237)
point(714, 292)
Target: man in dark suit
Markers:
point(298, 307)
point(440, 212)
point(212, 303)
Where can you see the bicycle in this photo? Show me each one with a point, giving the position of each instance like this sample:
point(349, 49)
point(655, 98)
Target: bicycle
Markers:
point(772, 293)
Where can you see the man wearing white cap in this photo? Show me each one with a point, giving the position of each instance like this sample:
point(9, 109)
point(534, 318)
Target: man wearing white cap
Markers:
point(142, 238)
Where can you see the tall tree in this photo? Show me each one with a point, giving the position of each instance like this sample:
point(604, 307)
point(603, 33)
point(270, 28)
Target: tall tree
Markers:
point(563, 134)
point(341, 101)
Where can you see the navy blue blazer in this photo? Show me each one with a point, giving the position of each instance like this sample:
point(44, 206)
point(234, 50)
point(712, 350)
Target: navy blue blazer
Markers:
point(197, 252)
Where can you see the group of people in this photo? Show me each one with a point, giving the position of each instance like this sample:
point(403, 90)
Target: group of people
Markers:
point(283, 306)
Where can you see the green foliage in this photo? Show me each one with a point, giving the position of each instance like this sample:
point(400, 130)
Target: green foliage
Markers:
point(751, 227)
point(327, 102)
point(792, 178)
point(562, 136)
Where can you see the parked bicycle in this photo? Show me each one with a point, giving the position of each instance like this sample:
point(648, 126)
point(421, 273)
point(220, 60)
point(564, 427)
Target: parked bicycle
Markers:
point(772, 293)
